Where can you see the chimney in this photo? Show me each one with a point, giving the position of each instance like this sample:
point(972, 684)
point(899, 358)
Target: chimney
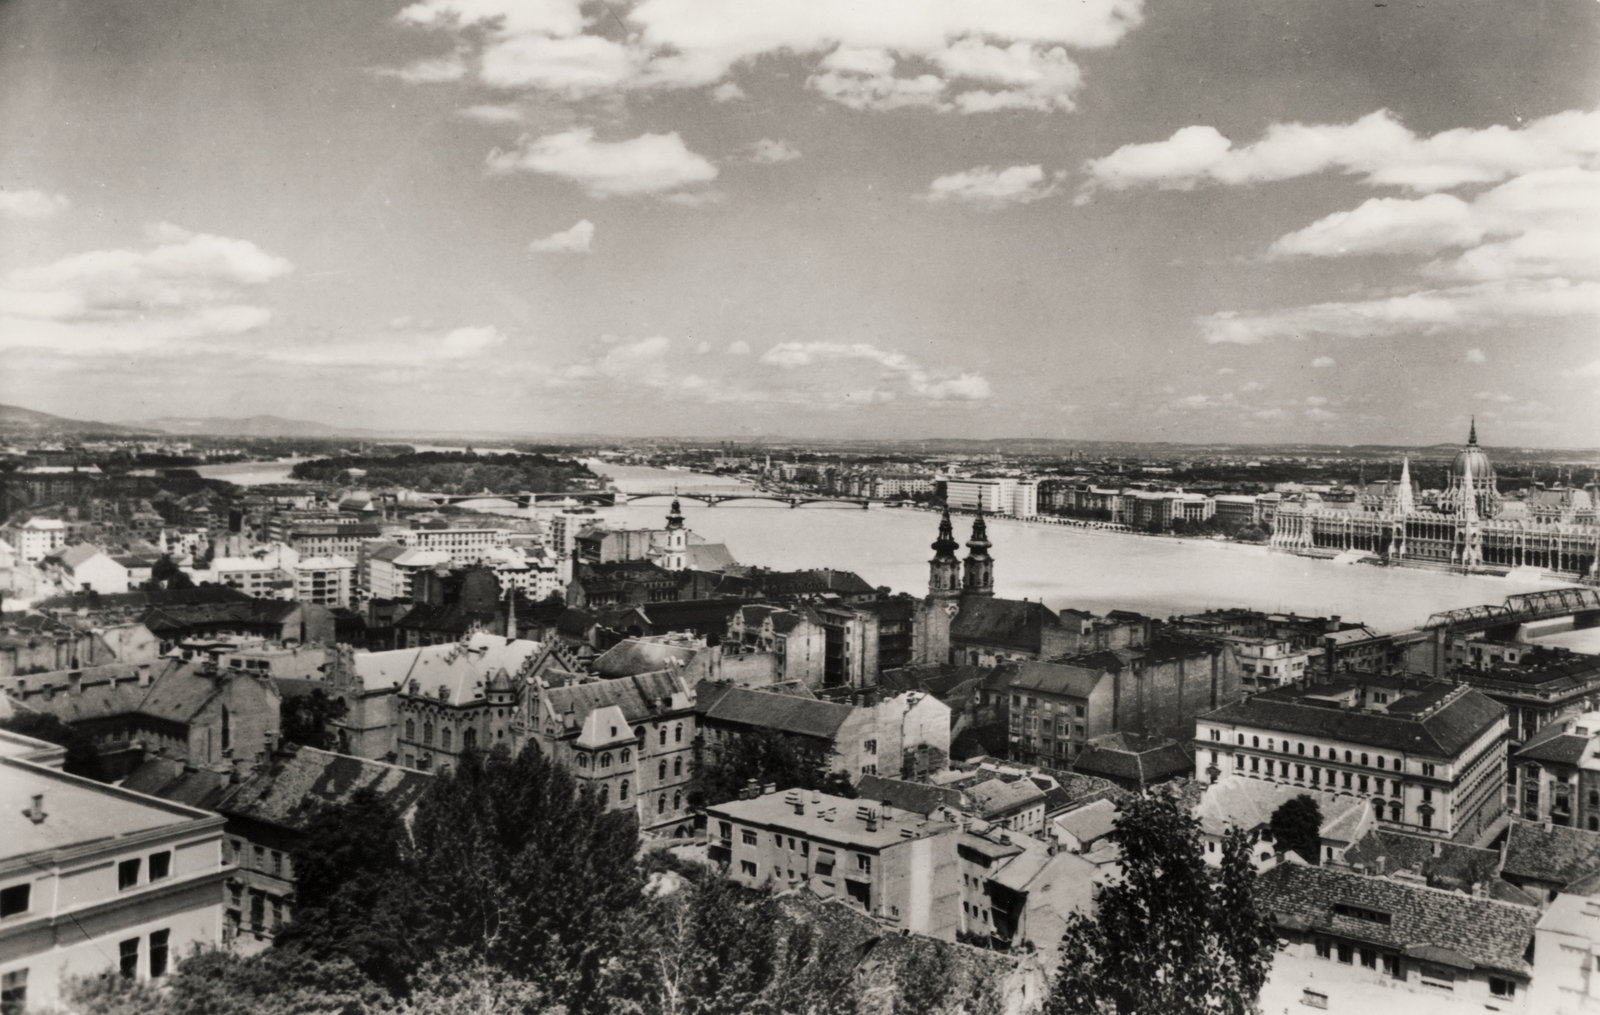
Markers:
point(888, 812)
point(770, 787)
point(872, 822)
point(816, 796)
point(1380, 864)
point(35, 813)
point(1360, 868)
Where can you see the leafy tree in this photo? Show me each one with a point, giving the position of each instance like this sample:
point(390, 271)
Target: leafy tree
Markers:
point(355, 896)
point(165, 574)
point(306, 719)
point(763, 756)
point(211, 982)
point(82, 757)
point(1297, 825)
point(517, 864)
point(1172, 936)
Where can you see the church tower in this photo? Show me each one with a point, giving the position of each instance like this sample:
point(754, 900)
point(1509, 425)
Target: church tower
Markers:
point(979, 577)
point(676, 557)
point(944, 570)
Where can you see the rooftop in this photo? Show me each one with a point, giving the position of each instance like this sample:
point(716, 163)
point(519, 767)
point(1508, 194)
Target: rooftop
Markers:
point(1553, 853)
point(719, 702)
point(829, 819)
point(76, 811)
point(302, 780)
point(458, 673)
point(1440, 724)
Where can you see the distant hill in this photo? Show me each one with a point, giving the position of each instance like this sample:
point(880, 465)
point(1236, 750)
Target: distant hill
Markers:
point(19, 422)
point(249, 426)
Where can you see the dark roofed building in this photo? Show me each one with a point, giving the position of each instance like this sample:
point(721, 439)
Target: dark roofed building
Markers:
point(1552, 781)
point(1452, 866)
point(273, 619)
point(916, 797)
point(1546, 859)
point(787, 585)
point(1135, 762)
point(988, 631)
point(707, 618)
point(727, 709)
point(1343, 929)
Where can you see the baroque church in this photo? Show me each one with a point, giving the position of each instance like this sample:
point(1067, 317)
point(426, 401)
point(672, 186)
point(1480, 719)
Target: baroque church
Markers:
point(1468, 526)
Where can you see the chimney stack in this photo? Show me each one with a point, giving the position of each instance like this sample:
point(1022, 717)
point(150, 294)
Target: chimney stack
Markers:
point(36, 813)
point(1381, 863)
point(770, 787)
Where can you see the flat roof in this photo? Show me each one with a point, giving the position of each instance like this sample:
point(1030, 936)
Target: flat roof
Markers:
point(77, 810)
point(847, 827)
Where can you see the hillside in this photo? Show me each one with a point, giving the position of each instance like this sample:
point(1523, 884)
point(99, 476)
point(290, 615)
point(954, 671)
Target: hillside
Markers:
point(16, 421)
point(249, 426)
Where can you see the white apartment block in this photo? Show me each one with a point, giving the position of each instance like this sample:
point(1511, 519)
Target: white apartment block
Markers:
point(37, 538)
point(1018, 498)
point(392, 570)
point(325, 581)
point(459, 543)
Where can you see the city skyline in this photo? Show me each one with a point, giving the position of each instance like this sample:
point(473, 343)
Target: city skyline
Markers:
point(1110, 221)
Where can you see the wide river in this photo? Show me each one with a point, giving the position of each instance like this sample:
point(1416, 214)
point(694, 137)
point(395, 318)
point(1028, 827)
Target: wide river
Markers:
point(1062, 565)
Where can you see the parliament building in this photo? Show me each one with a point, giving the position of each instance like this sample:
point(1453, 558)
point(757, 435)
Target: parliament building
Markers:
point(1468, 526)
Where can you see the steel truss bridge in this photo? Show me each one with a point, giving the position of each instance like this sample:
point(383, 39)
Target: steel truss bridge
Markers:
point(712, 498)
point(1520, 609)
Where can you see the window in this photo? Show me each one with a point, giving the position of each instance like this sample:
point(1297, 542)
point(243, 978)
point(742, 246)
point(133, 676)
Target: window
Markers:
point(1501, 987)
point(677, 734)
point(805, 847)
point(748, 836)
point(1316, 752)
point(605, 760)
point(277, 865)
point(864, 863)
point(411, 729)
point(661, 770)
point(1324, 948)
point(1427, 769)
point(605, 795)
point(129, 957)
point(1347, 778)
point(747, 868)
point(1369, 958)
point(1427, 820)
point(1363, 784)
point(160, 865)
point(625, 757)
point(1300, 748)
point(661, 804)
point(583, 761)
point(663, 736)
point(725, 831)
point(1392, 967)
point(777, 840)
point(622, 790)
point(677, 766)
point(1255, 741)
point(427, 734)
point(1347, 757)
point(1255, 764)
point(1216, 734)
point(469, 739)
point(127, 875)
point(444, 738)
point(870, 747)
point(1345, 953)
point(14, 900)
point(1394, 812)
point(158, 954)
point(1427, 795)
point(677, 801)
point(1380, 761)
point(1300, 773)
point(14, 993)
point(1269, 766)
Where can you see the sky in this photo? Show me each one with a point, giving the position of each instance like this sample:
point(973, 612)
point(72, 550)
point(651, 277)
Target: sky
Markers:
point(1175, 220)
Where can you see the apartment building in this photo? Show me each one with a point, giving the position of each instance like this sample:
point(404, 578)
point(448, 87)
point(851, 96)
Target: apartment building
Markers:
point(459, 543)
point(1018, 498)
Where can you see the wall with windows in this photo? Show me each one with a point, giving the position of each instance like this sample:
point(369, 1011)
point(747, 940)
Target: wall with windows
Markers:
point(1349, 974)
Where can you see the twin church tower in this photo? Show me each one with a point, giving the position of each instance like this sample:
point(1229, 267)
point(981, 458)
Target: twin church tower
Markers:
point(947, 578)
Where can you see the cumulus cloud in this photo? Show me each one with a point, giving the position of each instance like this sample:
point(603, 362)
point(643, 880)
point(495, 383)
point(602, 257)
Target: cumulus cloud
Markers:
point(647, 164)
point(966, 386)
point(182, 286)
point(769, 151)
point(1460, 308)
point(31, 204)
point(1591, 369)
point(1322, 362)
point(492, 114)
point(1377, 146)
point(739, 348)
point(1320, 414)
point(987, 56)
point(569, 241)
point(432, 71)
point(416, 349)
point(1476, 356)
point(991, 188)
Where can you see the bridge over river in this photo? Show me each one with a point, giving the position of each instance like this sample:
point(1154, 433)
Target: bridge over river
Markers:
point(712, 498)
point(1428, 648)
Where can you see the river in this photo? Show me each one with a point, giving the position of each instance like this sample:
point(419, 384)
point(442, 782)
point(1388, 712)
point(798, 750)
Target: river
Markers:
point(1062, 565)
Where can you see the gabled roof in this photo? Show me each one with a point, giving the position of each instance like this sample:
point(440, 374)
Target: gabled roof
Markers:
point(1455, 866)
point(709, 557)
point(75, 556)
point(1143, 761)
point(940, 680)
point(1555, 854)
point(1442, 733)
point(639, 697)
point(178, 691)
point(918, 797)
point(1425, 922)
point(246, 611)
point(458, 673)
point(998, 797)
point(740, 706)
point(177, 782)
point(300, 781)
point(1554, 745)
point(817, 581)
point(1005, 623)
point(1089, 823)
point(1054, 678)
point(450, 617)
point(634, 655)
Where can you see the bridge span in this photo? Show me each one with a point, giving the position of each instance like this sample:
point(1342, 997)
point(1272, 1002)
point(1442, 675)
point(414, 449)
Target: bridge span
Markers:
point(712, 498)
point(1428, 648)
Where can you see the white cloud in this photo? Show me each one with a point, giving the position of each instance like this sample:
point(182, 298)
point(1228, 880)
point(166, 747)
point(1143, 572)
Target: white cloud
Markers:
point(768, 150)
point(492, 114)
point(991, 188)
point(1476, 356)
point(569, 241)
point(1316, 400)
point(702, 348)
point(183, 286)
point(792, 355)
point(432, 71)
point(1461, 308)
point(1226, 370)
point(647, 164)
point(727, 92)
point(739, 348)
point(1377, 146)
point(1322, 362)
point(31, 204)
point(463, 347)
point(1590, 369)
point(1249, 386)
point(1385, 225)
point(989, 56)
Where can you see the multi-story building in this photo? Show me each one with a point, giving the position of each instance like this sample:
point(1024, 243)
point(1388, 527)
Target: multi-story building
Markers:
point(1566, 944)
point(1018, 498)
point(897, 866)
point(330, 539)
point(453, 698)
point(1236, 509)
point(1160, 508)
point(1555, 775)
point(85, 568)
point(94, 878)
point(391, 570)
point(264, 577)
point(796, 638)
point(325, 581)
point(1359, 943)
point(631, 738)
point(1536, 688)
point(1430, 757)
point(458, 543)
point(37, 538)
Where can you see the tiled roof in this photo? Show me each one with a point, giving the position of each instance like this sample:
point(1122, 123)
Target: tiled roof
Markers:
point(177, 691)
point(1054, 678)
point(175, 781)
point(1005, 623)
point(744, 707)
point(783, 584)
point(638, 696)
point(1455, 867)
point(908, 796)
point(247, 611)
point(632, 656)
point(302, 780)
point(144, 598)
point(73, 557)
point(1555, 854)
point(939, 680)
point(462, 672)
point(997, 797)
point(450, 617)
point(1142, 763)
point(1492, 935)
point(1444, 733)
point(1554, 744)
point(1090, 822)
point(709, 557)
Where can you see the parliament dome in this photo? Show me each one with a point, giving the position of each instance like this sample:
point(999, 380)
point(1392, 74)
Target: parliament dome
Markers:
point(1482, 470)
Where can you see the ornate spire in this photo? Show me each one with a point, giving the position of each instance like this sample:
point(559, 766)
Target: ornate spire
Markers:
point(675, 516)
point(944, 571)
point(978, 578)
point(1405, 499)
point(946, 545)
point(1472, 434)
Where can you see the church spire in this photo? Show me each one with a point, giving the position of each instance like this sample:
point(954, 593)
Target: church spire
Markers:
point(1405, 499)
point(675, 516)
point(978, 579)
point(1472, 434)
point(944, 570)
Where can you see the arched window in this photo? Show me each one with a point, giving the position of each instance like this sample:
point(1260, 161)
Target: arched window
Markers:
point(583, 761)
point(622, 791)
point(625, 756)
point(677, 766)
point(469, 739)
point(663, 736)
point(444, 738)
point(638, 733)
point(661, 770)
point(677, 801)
point(605, 760)
point(427, 733)
point(677, 734)
point(1394, 812)
point(605, 794)
point(411, 730)
point(1594, 798)
point(661, 805)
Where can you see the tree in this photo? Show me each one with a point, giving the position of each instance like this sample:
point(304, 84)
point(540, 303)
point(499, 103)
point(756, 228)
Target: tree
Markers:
point(764, 757)
point(1297, 825)
point(1172, 936)
point(82, 757)
point(305, 719)
point(210, 982)
point(165, 574)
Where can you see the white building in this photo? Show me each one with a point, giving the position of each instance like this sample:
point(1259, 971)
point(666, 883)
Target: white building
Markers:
point(85, 568)
point(37, 538)
point(1566, 951)
point(266, 574)
point(95, 878)
point(391, 570)
point(1018, 498)
point(325, 581)
point(461, 544)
